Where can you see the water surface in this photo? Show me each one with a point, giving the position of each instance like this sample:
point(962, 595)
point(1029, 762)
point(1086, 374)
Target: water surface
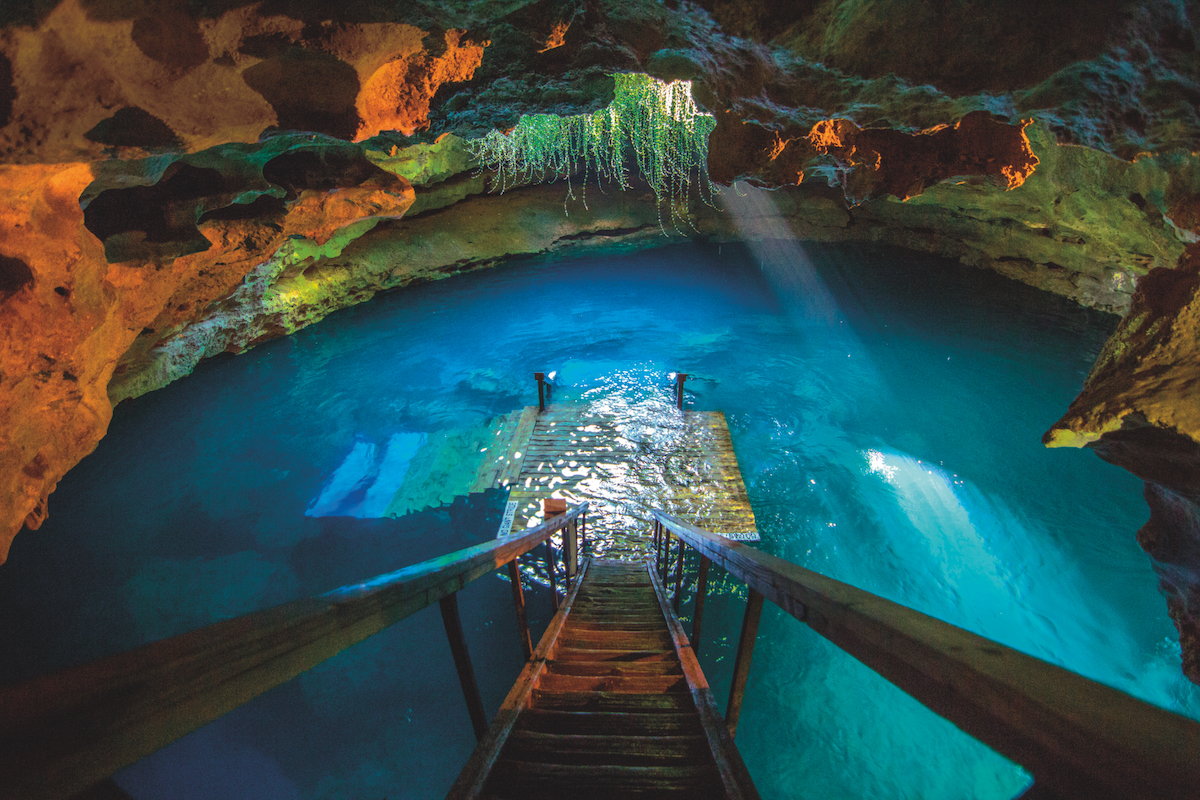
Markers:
point(886, 409)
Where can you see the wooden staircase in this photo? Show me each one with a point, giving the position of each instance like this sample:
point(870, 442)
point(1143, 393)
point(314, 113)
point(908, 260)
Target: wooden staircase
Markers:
point(612, 705)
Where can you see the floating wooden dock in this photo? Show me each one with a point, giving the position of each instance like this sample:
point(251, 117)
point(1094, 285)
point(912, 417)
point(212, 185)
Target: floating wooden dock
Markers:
point(625, 464)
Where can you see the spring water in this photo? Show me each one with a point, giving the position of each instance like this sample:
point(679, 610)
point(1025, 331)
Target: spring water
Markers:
point(886, 409)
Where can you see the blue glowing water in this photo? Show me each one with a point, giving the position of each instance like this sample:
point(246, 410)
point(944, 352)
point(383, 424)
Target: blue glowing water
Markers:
point(886, 409)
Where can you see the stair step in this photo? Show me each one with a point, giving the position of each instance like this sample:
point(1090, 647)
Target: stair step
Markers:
point(622, 750)
point(612, 715)
point(620, 579)
point(619, 604)
point(618, 668)
point(638, 684)
point(601, 624)
point(639, 578)
point(607, 610)
point(613, 701)
point(609, 723)
point(627, 588)
point(617, 610)
point(616, 640)
point(639, 582)
point(609, 655)
point(591, 616)
point(613, 602)
point(618, 588)
point(628, 584)
point(531, 781)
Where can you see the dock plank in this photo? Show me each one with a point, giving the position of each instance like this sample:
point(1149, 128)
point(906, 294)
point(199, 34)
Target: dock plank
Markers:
point(684, 464)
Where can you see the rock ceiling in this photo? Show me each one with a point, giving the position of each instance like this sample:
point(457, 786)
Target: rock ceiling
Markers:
point(188, 178)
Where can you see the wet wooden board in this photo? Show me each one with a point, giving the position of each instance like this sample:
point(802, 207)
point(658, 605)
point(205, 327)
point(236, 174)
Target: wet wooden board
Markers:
point(681, 463)
point(578, 724)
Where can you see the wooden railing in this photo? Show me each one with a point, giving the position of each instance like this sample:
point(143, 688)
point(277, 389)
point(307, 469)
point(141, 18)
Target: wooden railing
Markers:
point(64, 733)
point(1079, 738)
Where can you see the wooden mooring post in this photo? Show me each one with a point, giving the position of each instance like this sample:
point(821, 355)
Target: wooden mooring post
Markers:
point(680, 379)
point(540, 377)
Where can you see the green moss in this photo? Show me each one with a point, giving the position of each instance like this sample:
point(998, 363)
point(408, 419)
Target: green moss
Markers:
point(297, 291)
point(659, 122)
point(425, 164)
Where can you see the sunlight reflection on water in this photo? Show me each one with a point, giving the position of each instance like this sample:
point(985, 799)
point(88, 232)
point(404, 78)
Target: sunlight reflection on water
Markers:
point(620, 442)
point(889, 439)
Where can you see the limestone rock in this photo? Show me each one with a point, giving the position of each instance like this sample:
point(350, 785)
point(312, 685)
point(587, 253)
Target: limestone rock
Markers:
point(69, 315)
point(1140, 409)
point(1172, 538)
point(93, 77)
point(187, 179)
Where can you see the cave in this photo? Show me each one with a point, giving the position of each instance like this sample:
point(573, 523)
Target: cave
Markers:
point(274, 275)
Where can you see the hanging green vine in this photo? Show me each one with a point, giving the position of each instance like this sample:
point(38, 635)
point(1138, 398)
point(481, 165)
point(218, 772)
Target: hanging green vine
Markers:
point(659, 121)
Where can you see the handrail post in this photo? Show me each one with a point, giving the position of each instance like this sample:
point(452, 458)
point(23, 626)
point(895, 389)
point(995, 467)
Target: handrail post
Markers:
point(665, 562)
point(679, 578)
point(571, 543)
point(680, 377)
point(657, 541)
point(123, 707)
point(550, 571)
point(462, 662)
point(1079, 738)
point(701, 591)
point(518, 591)
point(741, 667)
point(540, 377)
point(555, 507)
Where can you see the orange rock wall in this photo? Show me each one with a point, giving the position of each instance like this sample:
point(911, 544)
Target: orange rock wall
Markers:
point(67, 328)
point(212, 81)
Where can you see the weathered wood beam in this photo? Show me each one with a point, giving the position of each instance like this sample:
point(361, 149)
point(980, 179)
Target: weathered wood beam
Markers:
point(66, 732)
point(514, 577)
point(741, 666)
point(701, 593)
point(679, 577)
point(1079, 738)
point(475, 772)
point(735, 777)
point(462, 663)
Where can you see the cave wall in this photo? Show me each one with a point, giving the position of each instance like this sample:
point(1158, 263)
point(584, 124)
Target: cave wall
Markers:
point(183, 179)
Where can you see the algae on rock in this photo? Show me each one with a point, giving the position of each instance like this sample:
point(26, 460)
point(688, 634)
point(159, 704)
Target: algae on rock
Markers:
point(659, 121)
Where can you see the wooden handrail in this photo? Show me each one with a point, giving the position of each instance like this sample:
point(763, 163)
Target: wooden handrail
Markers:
point(63, 733)
point(1079, 738)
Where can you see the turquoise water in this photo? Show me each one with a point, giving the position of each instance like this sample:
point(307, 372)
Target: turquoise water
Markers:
point(886, 409)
